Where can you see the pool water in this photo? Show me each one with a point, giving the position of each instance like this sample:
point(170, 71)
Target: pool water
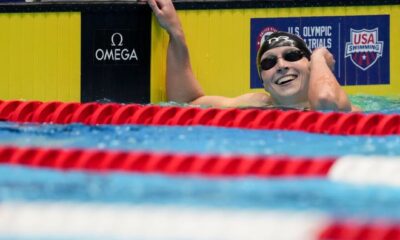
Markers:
point(336, 200)
point(369, 103)
point(196, 139)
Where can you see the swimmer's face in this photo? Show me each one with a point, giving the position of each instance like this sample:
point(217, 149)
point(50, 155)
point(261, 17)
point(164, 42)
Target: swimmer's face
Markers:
point(285, 73)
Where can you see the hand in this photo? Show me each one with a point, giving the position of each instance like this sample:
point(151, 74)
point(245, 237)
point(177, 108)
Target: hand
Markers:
point(166, 14)
point(323, 53)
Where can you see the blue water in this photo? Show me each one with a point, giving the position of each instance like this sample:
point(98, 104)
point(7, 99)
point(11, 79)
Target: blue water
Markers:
point(196, 140)
point(369, 103)
point(336, 199)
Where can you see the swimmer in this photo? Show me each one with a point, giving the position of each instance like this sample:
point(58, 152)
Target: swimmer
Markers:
point(292, 76)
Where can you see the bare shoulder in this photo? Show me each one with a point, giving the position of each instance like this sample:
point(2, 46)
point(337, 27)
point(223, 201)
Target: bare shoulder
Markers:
point(245, 100)
point(252, 100)
point(356, 108)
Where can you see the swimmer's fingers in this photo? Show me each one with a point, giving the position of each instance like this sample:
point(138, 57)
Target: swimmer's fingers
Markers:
point(332, 65)
point(153, 5)
point(161, 8)
point(166, 15)
point(329, 58)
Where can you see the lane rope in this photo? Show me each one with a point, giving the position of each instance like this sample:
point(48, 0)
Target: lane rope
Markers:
point(372, 170)
point(111, 113)
point(166, 163)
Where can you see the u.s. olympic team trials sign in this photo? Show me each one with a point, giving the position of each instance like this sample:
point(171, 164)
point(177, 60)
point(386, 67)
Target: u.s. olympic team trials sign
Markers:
point(360, 44)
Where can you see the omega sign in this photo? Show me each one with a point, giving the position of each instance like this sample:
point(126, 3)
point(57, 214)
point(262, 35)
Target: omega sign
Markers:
point(116, 52)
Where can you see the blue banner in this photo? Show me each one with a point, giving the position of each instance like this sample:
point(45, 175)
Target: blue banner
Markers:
point(360, 44)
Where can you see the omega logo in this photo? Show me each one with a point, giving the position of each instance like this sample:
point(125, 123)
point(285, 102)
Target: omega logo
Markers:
point(121, 39)
point(117, 52)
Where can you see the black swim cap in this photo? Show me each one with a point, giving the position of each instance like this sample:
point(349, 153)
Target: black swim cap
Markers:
point(281, 39)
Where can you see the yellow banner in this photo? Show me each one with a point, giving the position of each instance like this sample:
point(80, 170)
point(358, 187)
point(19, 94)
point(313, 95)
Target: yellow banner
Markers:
point(40, 56)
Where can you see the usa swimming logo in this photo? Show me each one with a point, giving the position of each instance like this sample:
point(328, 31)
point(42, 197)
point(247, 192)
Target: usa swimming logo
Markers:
point(364, 49)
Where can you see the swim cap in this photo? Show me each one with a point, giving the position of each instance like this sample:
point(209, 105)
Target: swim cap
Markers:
point(281, 39)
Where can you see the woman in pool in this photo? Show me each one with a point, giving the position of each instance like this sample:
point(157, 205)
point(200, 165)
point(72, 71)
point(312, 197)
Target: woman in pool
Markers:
point(292, 75)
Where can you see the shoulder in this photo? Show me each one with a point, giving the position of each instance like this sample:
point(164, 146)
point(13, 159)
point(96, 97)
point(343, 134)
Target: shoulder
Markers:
point(245, 100)
point(252, 100)
point(356, 108)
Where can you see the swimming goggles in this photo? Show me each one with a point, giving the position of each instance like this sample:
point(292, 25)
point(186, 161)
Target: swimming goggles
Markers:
point(290, 56)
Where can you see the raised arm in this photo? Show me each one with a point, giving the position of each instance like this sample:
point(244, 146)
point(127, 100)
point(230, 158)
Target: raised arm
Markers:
point(181, 84)
point(325, 93)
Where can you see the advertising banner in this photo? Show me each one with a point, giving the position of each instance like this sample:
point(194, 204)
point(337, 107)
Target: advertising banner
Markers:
point(116, 56)
point(360, 44)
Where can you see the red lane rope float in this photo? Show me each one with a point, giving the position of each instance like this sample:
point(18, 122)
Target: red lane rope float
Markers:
point(166, 163)
point(95, 113)
point(354, 231)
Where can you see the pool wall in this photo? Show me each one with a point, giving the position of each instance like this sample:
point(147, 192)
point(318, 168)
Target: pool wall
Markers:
point(83, 52)
point(78, 51)
point(223, 44)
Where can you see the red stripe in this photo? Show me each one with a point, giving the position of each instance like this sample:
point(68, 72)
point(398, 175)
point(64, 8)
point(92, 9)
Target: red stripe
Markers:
point(361, 231)
point(166, 163)
point(95, 113)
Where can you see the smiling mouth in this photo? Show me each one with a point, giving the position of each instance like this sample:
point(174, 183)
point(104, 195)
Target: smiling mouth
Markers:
point(285, 79)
